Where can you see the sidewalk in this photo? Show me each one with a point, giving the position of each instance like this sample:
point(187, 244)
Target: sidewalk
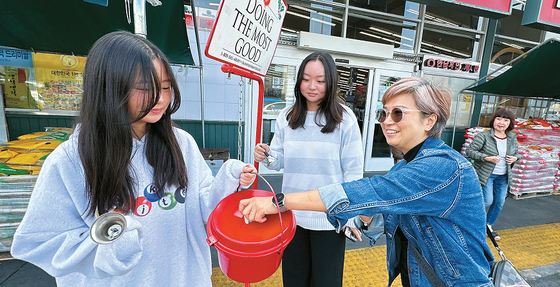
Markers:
point(366, 266)
point(530, 231)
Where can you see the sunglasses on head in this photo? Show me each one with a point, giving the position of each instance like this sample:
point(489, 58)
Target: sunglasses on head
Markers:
point(396, 114)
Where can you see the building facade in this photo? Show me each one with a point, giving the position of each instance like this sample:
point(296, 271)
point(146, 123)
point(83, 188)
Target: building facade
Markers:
point(447, 43)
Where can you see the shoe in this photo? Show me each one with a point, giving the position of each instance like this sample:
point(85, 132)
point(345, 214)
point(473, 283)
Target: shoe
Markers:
point(496, 236)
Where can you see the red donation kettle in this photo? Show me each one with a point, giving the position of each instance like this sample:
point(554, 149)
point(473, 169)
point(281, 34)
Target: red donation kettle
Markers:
point(248, 252)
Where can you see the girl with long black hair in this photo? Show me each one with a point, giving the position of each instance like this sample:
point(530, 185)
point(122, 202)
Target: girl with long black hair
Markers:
point(125, 155)
point(317, 142)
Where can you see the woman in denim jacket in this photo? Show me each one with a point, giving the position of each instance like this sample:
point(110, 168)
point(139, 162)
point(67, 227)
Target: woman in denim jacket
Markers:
point(431, 201)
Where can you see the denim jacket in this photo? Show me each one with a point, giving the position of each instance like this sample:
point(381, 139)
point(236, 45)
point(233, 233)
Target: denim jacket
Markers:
point(436, 200)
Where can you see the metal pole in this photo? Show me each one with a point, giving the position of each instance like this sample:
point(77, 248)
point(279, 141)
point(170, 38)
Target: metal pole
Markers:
point(139, 10)
point(201, 71)
point(418, 36)
point(419, 29)
point(226, 68)
point(345, 19)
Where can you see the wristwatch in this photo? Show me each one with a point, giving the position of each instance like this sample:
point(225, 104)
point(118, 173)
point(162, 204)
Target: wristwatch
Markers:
point(280, 198)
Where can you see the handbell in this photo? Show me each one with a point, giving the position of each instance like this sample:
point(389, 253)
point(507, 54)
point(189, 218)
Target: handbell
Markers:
point(108, 228)
point(269, 159)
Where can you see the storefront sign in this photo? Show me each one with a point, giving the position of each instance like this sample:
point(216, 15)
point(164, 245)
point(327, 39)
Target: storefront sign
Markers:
point(485, 8)
point(246, 32)
point(59, 80)
point(447, 64)
point(15, 58)
point(543, 15)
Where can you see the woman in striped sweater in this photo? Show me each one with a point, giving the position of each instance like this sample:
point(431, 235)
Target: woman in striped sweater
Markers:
point(317, 142)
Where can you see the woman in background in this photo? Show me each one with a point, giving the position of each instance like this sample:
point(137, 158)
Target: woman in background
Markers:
point(493, 153)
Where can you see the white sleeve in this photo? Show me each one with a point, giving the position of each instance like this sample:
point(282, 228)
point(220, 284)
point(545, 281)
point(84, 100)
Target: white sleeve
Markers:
point(54, 233)
point(211, 190)
point(226, 182)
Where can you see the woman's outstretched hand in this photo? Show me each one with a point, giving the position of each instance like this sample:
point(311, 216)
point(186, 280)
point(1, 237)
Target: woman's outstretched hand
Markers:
point(256, 208)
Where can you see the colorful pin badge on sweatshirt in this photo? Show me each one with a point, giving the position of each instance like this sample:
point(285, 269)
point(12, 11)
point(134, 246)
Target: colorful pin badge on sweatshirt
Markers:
point(180, 194)
point(150, 193)
point(168, 201)
point(143, 206)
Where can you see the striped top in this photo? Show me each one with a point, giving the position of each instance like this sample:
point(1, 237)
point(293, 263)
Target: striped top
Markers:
point(312, 159)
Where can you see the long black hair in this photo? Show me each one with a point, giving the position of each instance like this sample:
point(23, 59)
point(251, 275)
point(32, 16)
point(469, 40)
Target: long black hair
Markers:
point(329, 105)
point(115, 63)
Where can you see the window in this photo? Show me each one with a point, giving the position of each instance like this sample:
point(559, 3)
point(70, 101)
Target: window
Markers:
point(278, 93)
point(460, 105)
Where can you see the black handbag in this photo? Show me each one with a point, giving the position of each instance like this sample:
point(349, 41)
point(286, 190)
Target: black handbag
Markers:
point(503, 273)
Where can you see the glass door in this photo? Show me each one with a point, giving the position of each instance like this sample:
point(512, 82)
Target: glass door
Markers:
point(378, 155)
point(352, 90)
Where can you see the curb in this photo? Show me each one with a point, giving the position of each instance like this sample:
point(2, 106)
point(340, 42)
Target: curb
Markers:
point(539, 272)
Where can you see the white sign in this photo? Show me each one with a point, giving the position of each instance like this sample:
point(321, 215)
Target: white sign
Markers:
point(246, 33)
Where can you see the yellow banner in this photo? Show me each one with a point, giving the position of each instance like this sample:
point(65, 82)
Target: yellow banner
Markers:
point(16, 90)
point(59, 80)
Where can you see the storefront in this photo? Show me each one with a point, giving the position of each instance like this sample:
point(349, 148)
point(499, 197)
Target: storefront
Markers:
point(416, 32)
point(442, 42)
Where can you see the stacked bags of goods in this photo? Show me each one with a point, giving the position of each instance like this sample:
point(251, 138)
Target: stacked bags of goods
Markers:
point(536, 173)
point(470, 133)
point(20, 162)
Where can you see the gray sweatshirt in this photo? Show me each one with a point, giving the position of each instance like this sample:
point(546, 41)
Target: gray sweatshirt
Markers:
point(164, 244)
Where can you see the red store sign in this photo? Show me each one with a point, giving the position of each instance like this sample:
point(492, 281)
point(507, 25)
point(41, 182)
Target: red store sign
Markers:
point(485, 8)
point(542, 14)
point(450, 65)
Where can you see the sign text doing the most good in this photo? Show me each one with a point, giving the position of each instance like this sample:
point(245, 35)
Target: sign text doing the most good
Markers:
point(246, 33)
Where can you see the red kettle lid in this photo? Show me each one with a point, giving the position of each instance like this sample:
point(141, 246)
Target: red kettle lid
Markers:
point(227, 228)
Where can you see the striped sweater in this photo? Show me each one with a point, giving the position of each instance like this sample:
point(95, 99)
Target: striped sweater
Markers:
point(312, 159)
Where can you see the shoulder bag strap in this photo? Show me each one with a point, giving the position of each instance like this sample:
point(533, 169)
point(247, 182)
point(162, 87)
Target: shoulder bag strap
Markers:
point(426, 268)
point(489, 233)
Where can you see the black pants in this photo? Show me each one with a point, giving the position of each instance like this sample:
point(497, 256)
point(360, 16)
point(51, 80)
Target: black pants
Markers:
point(314, 258)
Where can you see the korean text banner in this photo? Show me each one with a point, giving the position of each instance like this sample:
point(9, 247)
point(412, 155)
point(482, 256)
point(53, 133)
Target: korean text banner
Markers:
point(59, 80)
point(15, 58)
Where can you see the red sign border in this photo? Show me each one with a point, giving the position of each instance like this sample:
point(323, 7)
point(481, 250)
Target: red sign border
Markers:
point(226, 62)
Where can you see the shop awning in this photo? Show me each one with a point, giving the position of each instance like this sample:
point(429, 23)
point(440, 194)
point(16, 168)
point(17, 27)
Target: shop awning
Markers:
point(536, 75)
point(72, 26)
